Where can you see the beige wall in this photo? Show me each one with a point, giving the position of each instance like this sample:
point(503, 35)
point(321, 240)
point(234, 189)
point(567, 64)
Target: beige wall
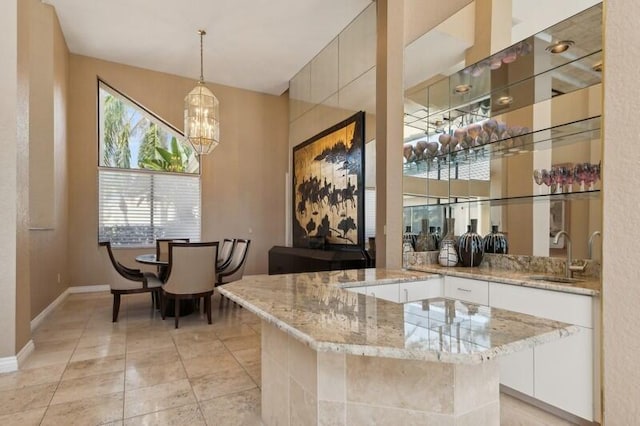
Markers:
point(49, 271)
point(621, 171)
point(242, 179)
point(8, 172)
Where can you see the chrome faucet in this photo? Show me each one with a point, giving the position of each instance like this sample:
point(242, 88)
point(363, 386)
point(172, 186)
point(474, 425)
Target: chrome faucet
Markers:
point(569, 268)
point(591, 243)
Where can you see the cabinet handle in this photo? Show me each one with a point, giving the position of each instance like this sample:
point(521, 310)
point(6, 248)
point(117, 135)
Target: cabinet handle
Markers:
point(464, 289)
point(406, 295)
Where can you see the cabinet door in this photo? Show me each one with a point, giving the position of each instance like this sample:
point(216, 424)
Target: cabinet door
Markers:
point(421, 290)
point(571, 308)
point(473, 291)
point(564, 373)
point(516, 371)
point(386, 292)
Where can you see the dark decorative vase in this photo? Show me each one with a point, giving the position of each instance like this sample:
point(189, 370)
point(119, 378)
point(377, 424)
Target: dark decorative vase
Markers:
point(470, 248)
point(423, 240)
point(434, 238)
point(495, 242)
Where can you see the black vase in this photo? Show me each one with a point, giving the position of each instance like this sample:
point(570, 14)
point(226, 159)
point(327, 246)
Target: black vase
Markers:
point(496, 242)
point(470, 247)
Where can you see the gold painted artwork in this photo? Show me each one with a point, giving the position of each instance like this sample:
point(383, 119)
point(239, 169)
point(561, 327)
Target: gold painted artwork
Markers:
point(327, 186)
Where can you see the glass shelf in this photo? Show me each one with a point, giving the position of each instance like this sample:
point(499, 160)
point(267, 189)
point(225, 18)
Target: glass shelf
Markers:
point(496, 202)
point(525, 61)
point(440, 166)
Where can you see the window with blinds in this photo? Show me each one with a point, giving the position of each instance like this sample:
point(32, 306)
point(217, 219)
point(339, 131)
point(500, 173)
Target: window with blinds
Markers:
point(136, 208)
point(369, 212)
point(148, 177)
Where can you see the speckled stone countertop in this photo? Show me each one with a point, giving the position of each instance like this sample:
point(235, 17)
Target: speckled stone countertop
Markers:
point(315, 309)
point(588, 287)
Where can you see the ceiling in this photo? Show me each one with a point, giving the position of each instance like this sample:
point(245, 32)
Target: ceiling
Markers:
point(251, 44)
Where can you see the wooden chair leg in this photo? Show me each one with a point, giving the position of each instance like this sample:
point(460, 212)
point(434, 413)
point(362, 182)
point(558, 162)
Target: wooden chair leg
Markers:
point(116, 306)
point(221, 301)
point(207, 306)
point(163, 304)
point(177, 311)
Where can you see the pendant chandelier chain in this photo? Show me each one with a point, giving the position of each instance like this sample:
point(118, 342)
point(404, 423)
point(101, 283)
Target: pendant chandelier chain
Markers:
point(202, 34)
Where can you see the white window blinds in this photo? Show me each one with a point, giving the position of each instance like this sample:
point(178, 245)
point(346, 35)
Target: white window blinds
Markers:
point(369, 213)
point(135, 208)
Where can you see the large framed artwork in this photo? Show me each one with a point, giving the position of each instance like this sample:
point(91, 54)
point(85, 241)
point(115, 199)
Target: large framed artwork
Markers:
point(328, 186)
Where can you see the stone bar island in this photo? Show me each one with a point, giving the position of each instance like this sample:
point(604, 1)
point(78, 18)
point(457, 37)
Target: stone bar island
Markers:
point(334, 354)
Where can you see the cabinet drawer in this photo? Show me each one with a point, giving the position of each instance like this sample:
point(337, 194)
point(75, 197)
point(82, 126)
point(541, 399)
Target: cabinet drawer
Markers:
point(473, 291)
point(420, 290)
point(385, 292)
point(570, 308)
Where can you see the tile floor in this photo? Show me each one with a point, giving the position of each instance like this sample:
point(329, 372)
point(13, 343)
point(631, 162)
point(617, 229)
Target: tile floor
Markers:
point(86, 370)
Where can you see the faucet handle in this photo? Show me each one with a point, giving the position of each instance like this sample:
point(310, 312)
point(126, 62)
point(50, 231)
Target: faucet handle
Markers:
point(578, 267)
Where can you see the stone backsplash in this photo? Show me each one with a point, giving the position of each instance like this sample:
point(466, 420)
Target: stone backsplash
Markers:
point(512, 262)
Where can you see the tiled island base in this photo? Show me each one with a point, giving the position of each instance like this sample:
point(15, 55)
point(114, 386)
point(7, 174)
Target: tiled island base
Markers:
point(301, 386)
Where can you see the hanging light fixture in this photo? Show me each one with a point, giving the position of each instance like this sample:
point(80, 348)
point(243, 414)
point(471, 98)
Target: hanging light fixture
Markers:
point(201, 123)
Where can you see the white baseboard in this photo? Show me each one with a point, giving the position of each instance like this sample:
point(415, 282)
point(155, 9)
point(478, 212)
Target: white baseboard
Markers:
point(89, 288)
point(46, 311)
point(10, 363)
point(25, 352)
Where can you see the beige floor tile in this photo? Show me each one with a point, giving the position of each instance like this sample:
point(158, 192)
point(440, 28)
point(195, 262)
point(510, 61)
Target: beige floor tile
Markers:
point(210, 364)
point(108, 350)
point(56, 345)
point(32, 377)
point(221, 383)
point(242, 342)
point(153, 374)
point(23, 418)
point(514, 412)
point(92, 367)
point(39, 359)
point(89, 340)
point(196, 349)
point(88, 387)
point(152, 343)
point(225, 331)
point(256, 374)
point(150, 358)
point(27, 398)
point(238, 409)
point(89, 411)
point(159, 397)
point(186, 415)
point(63, 334)
point(248, 358)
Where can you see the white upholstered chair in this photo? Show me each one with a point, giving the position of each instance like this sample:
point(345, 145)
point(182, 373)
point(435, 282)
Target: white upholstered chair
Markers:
point(191, 275)
point(224, 255)
point(162, 246)
point(234, 270)
point(123, 280)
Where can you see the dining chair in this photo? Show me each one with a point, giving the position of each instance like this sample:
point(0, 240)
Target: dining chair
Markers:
point(162, 246)
point(234, 270)
point(123, 280)
point(224, 255)
point(191, 275)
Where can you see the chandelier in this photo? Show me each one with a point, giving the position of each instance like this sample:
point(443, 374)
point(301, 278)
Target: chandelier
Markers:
point(201, 123)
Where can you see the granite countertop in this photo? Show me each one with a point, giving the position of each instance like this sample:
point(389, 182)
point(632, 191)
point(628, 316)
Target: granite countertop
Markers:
point(316, 309)
point(588, 287)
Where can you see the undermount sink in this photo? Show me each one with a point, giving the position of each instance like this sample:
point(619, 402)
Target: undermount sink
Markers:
point(555, 279)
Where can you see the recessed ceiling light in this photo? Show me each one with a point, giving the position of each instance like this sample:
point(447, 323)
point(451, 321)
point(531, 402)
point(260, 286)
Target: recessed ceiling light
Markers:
point(504, 100)
point(597, 67)
point(559, 46)
point(462, 88)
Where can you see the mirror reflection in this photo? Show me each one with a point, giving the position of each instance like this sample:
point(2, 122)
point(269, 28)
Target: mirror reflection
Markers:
point(512, 142)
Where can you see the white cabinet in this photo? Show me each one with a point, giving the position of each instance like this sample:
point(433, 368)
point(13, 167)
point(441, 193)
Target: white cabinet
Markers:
point(385, 292)
point(516, 371)
point(468, 290)
point(560, 373)
point(564, 373)
point(420, 290)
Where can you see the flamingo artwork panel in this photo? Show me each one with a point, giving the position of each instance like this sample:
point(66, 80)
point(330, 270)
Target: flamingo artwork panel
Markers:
point(328, 186)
